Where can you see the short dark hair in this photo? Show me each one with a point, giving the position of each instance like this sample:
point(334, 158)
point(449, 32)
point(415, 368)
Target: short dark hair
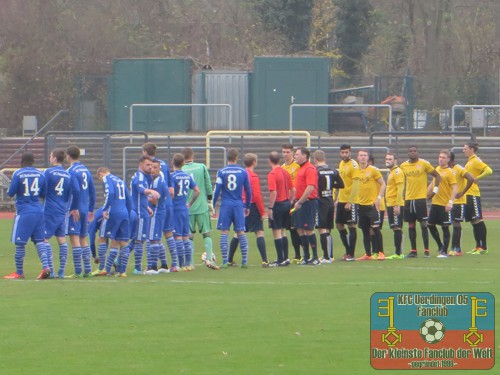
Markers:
point(345, 147)
point(144, 158)
point(149, 148)
point(305, 151)
point(59, 154)
point(73, 152)
point(178, 160)
point(287, 146)
point(473, 145)
point(27, 159)
point(188, 153)
point(232, 154)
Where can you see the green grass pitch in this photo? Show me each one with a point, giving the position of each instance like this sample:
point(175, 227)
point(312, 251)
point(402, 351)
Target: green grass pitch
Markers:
point(294, 320)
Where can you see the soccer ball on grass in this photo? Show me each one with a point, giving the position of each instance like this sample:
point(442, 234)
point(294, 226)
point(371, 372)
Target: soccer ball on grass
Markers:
point(204, 258)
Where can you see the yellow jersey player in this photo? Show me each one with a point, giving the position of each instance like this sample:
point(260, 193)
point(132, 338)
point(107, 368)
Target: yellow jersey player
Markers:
point(464, 182)
point(473, 212)
point(381, 212)
point(347, 211)
point(395, 202)
point(292, 168)
point(442, 203)
point(416, 171)
point(368, 190)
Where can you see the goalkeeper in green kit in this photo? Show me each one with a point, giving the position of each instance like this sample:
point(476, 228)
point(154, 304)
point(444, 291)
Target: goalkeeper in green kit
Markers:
point(200, 211)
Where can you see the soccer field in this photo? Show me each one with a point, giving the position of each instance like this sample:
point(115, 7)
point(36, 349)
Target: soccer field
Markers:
point(293, 320)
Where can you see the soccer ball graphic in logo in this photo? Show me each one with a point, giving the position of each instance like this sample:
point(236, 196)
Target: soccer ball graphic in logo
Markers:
point(432, 331)
point(204, 258)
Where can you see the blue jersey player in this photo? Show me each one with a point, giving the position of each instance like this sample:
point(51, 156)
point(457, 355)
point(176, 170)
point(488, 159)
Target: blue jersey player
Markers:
point(231, 181)
point(149, 149)
point(28, 185)
point(183, 183)
point(94, 229)
point(159, 211)
point(78, 230)
point(57, 204)
point(141, 191)
point(116, 227)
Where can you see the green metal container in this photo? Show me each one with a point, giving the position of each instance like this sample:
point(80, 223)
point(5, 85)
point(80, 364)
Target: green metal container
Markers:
point(150, 81)
point(278, 82)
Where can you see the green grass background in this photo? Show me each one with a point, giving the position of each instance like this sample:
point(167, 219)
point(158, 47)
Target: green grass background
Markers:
point(294, 320)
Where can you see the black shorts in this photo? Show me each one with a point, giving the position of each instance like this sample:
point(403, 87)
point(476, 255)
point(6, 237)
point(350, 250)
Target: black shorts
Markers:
point(415, 210)
point(439, 216)
point(381, 215)
point(473, 209)
point(281, 215)
point(368, 216)
point(343, 216)
point(253, 222)
point(305, 217)
point(458, 212)
point(395, 221)
point(326, 210)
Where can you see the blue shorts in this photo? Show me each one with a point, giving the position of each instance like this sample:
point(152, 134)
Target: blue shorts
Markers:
point(116, 228)
point(28, 226)
point(132, 221)
point(168, 225)
point(140, 231)
point(55, 225)
point(305, 217)
point(231, 215)
point(181, 223)
point(253, 222)
point(156, 226)
point(80, 228)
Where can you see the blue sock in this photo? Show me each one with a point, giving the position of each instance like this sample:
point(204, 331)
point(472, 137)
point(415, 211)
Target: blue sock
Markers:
point(50, 258)
point(124, 256)
point(87, 259)
point(154, 251)
point(172, 249)
point(113, 253)
point(63, 258)
point(149, 260)
point(180, 252)
point(188, 253)
point(138, 249)
point(77, 259)
point(224, 247)
point(19, 258)
point(244, 248)
point(162, 255)
point(41, 249)
point(101, 253)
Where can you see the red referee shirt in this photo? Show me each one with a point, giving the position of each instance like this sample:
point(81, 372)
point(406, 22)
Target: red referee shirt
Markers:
point(307, 175)
point(256, 191)
point(280, 181)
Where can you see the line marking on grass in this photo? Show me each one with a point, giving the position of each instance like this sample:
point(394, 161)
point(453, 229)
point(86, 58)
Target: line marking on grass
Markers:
point(232, 282)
